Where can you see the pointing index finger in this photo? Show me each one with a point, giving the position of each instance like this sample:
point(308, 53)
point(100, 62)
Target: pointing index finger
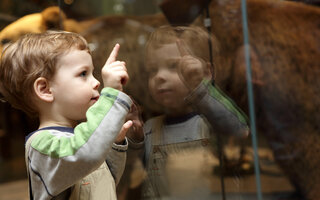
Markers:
point(113, 55)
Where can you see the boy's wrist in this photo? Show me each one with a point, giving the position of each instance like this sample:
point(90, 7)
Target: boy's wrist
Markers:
point(122, 142)
point(198, 92)
point(116, 95)
point(106, 89)
point(121, 147)
point(135, 144)
point(136, 139)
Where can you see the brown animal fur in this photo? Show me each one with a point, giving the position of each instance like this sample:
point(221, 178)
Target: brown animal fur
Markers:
point(285, 54)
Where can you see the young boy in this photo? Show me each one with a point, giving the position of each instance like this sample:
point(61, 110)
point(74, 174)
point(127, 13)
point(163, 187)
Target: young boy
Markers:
point(50, 75)
point(176, 144)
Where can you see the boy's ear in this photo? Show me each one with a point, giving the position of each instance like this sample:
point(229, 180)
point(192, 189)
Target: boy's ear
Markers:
point(42, 89)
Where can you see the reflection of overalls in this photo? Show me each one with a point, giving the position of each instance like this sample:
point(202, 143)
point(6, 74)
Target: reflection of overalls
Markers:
point(178, 168)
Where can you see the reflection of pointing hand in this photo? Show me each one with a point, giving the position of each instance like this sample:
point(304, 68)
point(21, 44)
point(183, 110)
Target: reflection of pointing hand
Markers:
point(114, 73)
point(183, 48)
point(136, 131)
point(192, 70)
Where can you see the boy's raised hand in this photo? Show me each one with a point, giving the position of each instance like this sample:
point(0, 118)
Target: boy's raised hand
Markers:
point(133, 128)
point(192, 70)
point(114, 73)
point(136, 131)
point(123, 132)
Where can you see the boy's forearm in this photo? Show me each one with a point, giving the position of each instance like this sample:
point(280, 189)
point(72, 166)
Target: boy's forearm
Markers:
point(116, 160)
point(69, 158)
point(135, 149)
point(135, 152)
point(220, 111)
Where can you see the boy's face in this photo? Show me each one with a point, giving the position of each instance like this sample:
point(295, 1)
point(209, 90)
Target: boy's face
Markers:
point(74, 87)
point(165, 86)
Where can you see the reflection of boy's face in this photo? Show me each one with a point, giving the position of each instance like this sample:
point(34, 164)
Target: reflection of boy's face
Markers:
point(165, 86)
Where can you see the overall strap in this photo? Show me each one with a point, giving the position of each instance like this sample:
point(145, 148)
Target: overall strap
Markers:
point(152, 187)
point(157, 128)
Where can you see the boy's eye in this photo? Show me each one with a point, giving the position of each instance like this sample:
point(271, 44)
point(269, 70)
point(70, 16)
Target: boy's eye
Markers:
point(172, 65)
point(152, 70)
point(83, 74)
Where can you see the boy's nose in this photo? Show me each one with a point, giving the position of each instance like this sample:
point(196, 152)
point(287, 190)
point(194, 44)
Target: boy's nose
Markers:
point(162, 74)
point(96, 84)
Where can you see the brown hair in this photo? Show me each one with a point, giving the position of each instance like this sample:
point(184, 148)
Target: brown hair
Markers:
point(31, 57)
point(195, 37)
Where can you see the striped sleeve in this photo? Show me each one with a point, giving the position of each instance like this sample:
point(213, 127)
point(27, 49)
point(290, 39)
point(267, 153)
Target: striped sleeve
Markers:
point(60, 159)
point(221, 111)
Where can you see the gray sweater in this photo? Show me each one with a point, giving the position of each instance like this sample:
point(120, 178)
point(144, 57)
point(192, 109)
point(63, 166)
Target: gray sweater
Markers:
point(59, 157)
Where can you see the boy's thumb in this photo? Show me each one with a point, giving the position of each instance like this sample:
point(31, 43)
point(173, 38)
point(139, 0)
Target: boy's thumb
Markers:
point(125, 127)
point(122, 134)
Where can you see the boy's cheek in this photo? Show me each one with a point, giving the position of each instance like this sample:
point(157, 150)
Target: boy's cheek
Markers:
point(151, 85)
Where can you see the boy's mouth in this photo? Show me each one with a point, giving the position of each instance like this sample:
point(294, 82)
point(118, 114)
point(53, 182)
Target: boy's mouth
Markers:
point(95, 98)
point(164, 91)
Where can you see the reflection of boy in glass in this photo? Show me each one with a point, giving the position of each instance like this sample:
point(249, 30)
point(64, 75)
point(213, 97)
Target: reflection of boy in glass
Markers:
point(176, 143)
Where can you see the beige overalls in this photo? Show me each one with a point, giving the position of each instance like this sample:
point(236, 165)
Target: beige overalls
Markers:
point(179, 169)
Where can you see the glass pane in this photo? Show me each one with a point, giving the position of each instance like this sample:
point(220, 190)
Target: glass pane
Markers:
point(188, 78)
